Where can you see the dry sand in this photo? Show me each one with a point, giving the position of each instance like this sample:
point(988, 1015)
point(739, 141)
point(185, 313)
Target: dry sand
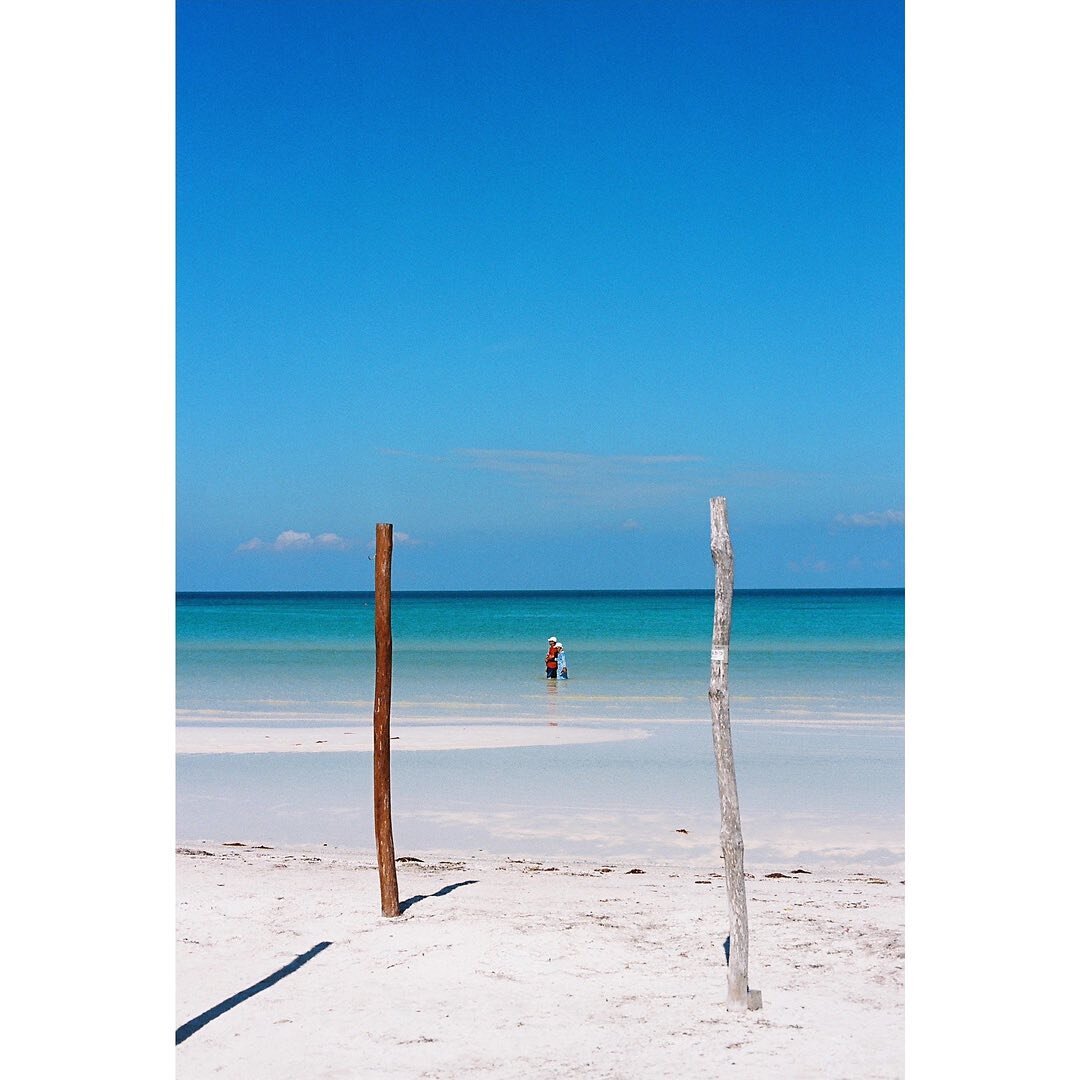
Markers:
point(510, 968)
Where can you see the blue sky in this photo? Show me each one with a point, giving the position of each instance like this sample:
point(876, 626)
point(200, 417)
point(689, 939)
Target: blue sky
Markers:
point(533, 282)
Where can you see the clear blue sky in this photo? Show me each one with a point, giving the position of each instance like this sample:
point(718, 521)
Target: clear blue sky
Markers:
point(533, 281)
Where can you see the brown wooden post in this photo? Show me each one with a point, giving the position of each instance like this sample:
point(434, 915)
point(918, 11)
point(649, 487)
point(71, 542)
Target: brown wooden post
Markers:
point(739, 996)
point(384, 829)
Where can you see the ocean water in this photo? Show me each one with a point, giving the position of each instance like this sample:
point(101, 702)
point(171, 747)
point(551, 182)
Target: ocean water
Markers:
point(816, 700)
point(803, 657)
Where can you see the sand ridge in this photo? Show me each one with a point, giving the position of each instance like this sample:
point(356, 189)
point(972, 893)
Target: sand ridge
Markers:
point(227, 739)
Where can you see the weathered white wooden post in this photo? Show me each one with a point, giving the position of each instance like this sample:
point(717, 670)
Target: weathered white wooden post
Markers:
point(739, 997)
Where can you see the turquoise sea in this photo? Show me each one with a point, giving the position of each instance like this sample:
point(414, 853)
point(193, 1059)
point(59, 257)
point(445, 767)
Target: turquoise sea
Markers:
point(816, 678)
point(795, 656)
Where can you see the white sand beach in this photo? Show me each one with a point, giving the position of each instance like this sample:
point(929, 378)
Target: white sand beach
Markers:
point(512, 968)
point(564, 910)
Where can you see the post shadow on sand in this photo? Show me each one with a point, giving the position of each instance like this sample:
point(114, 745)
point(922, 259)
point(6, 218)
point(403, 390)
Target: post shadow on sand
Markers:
point(406, 904)
point(187, 1030)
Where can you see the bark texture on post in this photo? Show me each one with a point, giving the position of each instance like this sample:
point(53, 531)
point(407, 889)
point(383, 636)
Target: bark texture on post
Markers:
point(739, 997)
point(384, 830)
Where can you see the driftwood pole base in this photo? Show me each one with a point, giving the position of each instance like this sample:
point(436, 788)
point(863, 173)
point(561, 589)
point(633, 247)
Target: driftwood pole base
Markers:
point(384, 829)
point(739, 997)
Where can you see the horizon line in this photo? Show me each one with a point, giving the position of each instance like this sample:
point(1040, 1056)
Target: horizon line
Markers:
point(366, 592)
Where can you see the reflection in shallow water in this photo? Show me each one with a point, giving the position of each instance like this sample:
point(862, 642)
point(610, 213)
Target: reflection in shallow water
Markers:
point(821, 795)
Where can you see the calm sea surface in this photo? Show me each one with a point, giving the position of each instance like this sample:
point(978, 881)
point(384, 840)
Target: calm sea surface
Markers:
point(800, 657)
point(817, 709)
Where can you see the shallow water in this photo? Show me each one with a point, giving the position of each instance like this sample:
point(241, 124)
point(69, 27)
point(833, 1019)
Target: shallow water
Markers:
point(795, 656)
point(821, 795)
point(817, 713)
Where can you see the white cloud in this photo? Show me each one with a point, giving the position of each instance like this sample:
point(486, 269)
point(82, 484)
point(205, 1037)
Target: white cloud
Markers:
point(878, 519)
point(292, 540)
point(401, 539)
point(630, 525)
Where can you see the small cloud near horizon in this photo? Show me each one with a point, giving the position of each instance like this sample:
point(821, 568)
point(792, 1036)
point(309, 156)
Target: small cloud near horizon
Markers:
point(401, 539)
point(882, 519)
point(292, 540)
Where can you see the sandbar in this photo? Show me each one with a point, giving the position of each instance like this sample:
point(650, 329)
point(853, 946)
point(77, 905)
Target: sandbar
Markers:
point(235, 739)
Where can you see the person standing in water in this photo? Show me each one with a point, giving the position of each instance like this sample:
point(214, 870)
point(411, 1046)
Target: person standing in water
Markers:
point(552, 661)
point(560, 661)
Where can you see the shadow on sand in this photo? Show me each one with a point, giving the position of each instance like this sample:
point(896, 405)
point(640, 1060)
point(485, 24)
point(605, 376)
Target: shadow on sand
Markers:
point(185, 1031)
point(406, 904)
